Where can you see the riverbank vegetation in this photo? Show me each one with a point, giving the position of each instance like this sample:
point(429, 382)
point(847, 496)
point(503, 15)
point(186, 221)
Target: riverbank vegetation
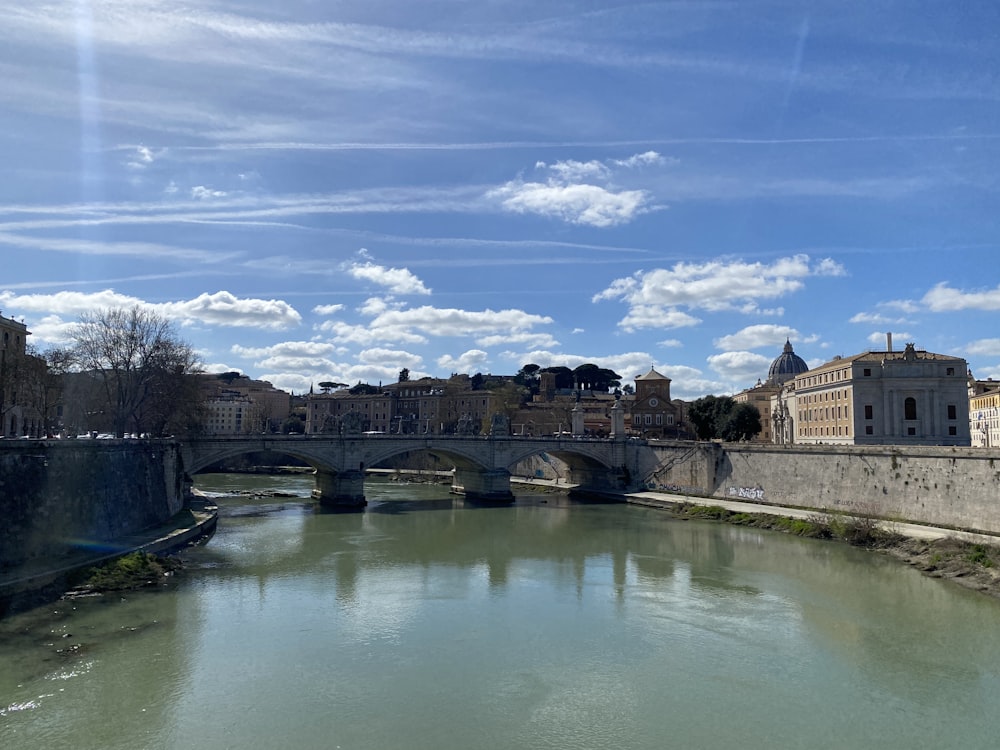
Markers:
point(973, 565)
point(133, 571)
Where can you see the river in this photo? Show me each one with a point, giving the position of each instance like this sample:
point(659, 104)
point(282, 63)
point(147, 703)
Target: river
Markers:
point(424, 622)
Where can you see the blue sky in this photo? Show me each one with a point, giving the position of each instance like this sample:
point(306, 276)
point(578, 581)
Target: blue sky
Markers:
point(336, 190)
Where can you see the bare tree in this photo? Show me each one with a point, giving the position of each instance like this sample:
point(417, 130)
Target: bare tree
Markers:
point(139, 362)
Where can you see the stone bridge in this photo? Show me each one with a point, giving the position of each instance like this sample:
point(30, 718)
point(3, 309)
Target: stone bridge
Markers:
point(482, 466)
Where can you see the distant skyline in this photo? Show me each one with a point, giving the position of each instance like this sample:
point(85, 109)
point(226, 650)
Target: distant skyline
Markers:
point(336, 191)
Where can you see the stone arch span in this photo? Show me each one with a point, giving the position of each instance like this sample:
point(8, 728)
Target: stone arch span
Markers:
point(589, 468)
point(482, 465)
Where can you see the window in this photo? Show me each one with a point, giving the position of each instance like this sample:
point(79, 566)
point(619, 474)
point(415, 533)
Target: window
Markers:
point(869, 430)
point(952, 411)
point(950, 371)
point(869, 411)
point(910, 408)
point(911, 430)
point(952, 430)
point(867, 372)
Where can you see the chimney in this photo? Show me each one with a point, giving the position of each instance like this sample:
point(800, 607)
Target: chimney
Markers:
point(888, 341)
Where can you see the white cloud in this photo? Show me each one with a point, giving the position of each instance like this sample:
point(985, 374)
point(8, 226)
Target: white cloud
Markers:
point(52, 329)
point(389, 357)
point(740, 368)
point(345, 333)
point(434, 321)
point(577, 204)
point(670, 343)
point(577, 171)
point(984, 347)
point(642, 160)
point(714, 286)
point(67, 303)
point(903, 305)
point(376, 306)
point(327, 309)
point(141, 159)
point(754, 337)
point(943, 298)
point(533, 340)
point(875, 319)
point(200, 192)
point(655, 316)
point(474, 360)
point(221, 308)
point(226, 309)
point(295, 349)
point(397, 280)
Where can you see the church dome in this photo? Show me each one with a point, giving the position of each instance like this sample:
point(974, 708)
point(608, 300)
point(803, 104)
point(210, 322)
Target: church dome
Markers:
point(787, 366)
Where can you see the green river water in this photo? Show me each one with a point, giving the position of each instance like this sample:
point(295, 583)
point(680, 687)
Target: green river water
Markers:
point(425, 622)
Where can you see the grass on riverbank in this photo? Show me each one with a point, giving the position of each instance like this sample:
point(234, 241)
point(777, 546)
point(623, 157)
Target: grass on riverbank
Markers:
point(975, 566)
point(133, 571)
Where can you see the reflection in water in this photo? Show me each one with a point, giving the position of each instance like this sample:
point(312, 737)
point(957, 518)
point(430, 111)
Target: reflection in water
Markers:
point(426, 622)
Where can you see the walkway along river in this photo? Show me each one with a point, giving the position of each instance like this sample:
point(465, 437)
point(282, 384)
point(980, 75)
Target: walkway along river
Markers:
point(424, 622)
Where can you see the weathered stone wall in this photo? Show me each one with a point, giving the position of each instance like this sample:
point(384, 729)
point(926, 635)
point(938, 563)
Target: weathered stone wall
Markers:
point(942, 486)
point(59, 495)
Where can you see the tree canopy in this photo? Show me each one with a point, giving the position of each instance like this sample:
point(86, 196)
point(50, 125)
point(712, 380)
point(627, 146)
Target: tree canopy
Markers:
point(141, 364)
point(591, 377)
point(721, 417)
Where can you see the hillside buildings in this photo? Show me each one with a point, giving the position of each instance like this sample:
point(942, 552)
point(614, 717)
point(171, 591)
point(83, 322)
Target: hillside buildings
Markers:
point(234, 404)
point(431, 406)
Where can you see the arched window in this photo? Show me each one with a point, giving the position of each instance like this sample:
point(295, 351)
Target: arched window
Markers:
point(910, 408)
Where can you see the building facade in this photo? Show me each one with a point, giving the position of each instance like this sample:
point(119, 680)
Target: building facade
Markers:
point(237, 405)
point(913, 397)
point(21, 376)
point(431, 406)
point(651, 412)
point(984, 414)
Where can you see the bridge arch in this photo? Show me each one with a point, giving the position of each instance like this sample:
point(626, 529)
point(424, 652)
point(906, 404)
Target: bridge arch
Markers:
point(482, 466)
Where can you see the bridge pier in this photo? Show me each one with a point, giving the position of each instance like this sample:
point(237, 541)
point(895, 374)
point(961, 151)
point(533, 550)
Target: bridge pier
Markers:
point(340, 489)
point(490, 486)
point(598, 480)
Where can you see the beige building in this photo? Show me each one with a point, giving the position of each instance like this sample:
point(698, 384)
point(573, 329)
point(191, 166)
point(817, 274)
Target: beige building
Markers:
point(984, 414)
point(237, 405)
point(913, 397)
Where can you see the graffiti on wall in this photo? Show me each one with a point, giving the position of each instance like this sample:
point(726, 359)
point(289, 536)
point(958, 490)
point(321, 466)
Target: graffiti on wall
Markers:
point(675, 489)
point(747, 493)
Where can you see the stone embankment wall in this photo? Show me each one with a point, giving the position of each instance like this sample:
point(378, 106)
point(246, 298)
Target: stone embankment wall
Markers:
point(61, 495)
point(941, 486)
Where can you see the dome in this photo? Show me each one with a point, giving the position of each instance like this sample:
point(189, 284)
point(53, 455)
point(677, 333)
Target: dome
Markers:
point(787, 366)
